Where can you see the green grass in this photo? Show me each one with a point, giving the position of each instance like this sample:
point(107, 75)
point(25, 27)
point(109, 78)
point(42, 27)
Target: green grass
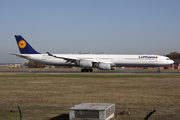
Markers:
point(51, 95)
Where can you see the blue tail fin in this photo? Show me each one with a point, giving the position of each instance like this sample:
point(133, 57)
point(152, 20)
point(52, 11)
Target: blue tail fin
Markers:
point(24, 46)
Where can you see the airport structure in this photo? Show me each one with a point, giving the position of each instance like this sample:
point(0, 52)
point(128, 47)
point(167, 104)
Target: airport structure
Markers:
point(176, 64)
point(99, 111)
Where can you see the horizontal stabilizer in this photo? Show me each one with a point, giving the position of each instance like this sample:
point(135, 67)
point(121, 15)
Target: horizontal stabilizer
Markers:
point(20, 55)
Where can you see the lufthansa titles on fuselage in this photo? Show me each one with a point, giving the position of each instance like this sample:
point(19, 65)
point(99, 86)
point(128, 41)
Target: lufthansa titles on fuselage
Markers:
point(148, 57)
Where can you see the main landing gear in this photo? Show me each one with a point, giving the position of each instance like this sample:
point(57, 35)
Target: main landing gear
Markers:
point(87, 70)
point(158, 70)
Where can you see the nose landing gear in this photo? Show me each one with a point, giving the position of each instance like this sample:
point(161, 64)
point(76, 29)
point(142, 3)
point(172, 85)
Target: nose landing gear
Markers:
point(158, 70)
point(87, 70)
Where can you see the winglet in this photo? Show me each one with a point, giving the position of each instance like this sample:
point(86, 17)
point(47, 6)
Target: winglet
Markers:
point(24, 46)
point(49, 54)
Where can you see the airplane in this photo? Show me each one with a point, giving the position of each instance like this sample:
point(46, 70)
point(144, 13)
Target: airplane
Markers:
point(89, 61)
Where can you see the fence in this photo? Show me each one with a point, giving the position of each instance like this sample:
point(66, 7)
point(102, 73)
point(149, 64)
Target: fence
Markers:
point(51, 113)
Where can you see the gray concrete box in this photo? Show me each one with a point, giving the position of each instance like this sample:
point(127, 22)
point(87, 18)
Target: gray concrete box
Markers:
point(100, 111)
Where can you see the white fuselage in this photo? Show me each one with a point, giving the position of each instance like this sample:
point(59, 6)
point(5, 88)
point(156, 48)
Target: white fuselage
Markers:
point(114, 60)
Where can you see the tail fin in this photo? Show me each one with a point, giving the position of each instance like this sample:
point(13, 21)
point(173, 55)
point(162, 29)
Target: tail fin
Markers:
point(24, 46)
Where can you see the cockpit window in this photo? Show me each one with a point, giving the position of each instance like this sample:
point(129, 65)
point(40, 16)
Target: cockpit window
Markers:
point(168, 59)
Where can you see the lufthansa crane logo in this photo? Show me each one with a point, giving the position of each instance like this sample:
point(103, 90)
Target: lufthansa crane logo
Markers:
point(22, 44)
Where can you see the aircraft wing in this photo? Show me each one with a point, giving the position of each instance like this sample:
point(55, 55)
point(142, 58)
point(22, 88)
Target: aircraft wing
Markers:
point(20, 55)
point(69, 59)
point(72, 59)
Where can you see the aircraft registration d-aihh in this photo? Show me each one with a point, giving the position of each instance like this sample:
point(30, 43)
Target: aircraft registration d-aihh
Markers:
point(89, 61)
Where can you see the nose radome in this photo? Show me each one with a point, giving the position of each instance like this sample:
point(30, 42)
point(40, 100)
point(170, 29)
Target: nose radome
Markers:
point(172, 61)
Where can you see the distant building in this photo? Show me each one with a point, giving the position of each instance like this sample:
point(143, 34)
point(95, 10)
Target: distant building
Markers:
point(176, 63)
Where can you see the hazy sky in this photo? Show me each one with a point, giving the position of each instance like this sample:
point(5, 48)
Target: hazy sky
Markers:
point(71, 26)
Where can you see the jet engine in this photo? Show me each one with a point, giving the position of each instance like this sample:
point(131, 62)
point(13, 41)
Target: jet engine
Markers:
point(104, 66)
point(85, 63)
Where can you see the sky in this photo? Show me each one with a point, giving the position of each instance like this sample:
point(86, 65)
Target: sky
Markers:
point(71, 26)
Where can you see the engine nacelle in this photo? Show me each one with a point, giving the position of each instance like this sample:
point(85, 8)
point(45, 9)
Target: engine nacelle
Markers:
point(104, 66)
point(85, 63)
point(113, 68)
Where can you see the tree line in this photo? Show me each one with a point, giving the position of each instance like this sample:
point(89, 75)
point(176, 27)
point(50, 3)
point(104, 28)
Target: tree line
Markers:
point(32, 64)
point(174, 55)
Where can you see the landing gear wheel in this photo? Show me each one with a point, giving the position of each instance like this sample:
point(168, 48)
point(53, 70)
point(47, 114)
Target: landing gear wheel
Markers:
point(91, 70)
point(86, 70)
point(158, 70)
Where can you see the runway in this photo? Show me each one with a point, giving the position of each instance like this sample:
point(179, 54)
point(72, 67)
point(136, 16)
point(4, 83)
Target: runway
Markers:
point(77, 71)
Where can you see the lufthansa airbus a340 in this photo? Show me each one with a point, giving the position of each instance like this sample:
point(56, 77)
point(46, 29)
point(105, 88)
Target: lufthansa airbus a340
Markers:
point(89, 61)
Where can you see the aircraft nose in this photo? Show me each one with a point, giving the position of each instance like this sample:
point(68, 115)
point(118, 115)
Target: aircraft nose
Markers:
point(171, 61)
